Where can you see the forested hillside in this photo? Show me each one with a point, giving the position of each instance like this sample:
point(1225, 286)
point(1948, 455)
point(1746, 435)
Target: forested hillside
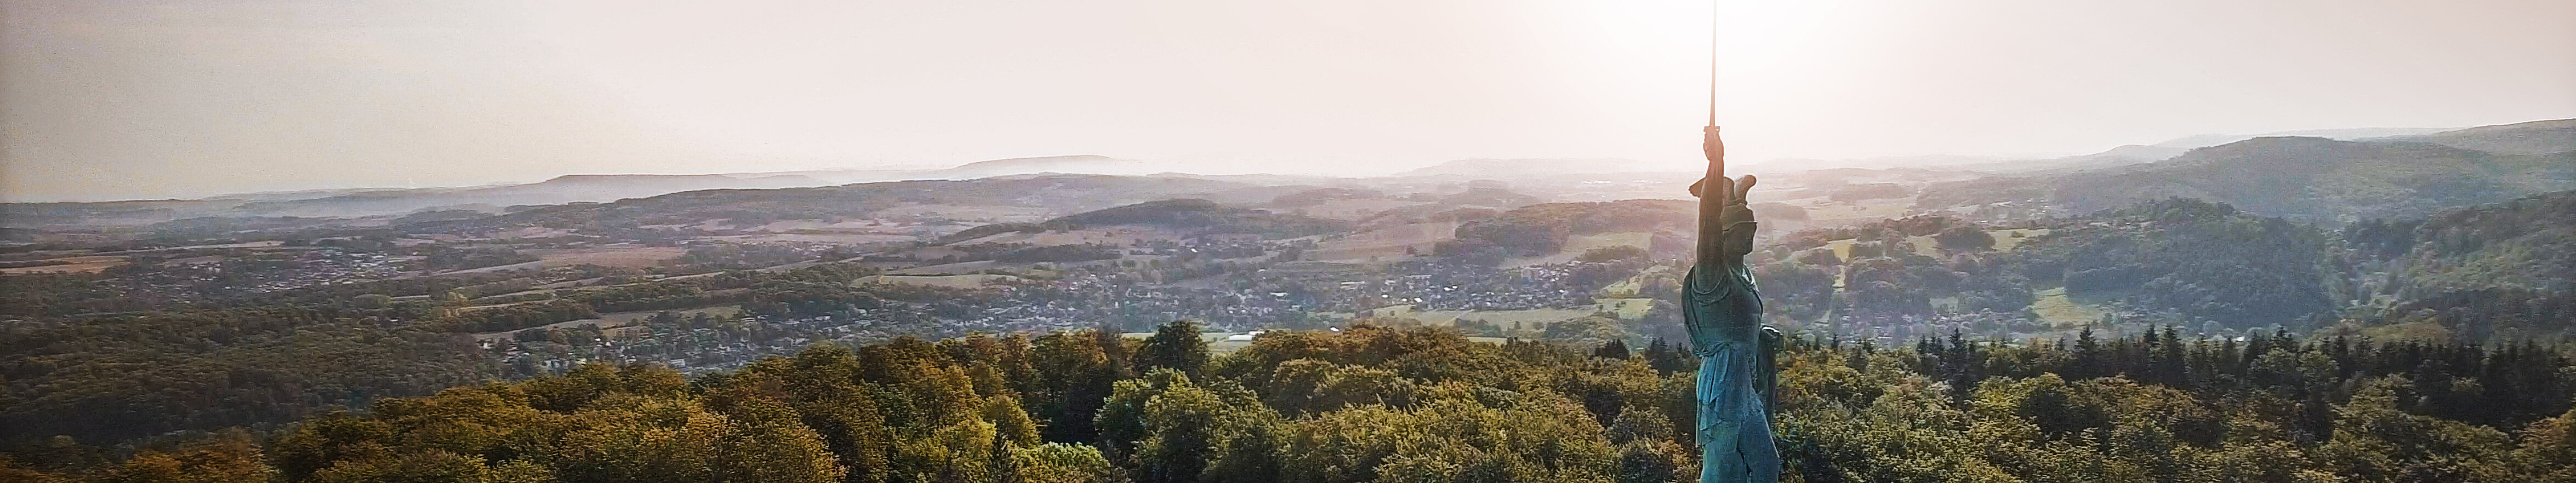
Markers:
point(2179, 261)
point(2495, 272)
point(1378, 404)
point(2504, 269)
point(2204, 261)
point(287, 355)
point(1197, 216)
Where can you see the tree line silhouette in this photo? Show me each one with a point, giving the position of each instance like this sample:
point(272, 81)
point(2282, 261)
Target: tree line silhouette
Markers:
point(1382, 404)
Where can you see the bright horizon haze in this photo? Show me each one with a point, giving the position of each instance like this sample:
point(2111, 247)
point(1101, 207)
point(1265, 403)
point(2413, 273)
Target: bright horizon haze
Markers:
point(163, 99)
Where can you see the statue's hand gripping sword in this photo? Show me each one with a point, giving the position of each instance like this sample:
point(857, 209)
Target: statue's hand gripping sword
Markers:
point(1725, 238)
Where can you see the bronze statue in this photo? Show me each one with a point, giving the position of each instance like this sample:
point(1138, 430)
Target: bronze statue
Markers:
point(1724, 315)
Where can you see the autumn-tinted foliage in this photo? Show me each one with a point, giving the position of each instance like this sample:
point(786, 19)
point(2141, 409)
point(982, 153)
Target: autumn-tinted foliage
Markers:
point(1376, 404)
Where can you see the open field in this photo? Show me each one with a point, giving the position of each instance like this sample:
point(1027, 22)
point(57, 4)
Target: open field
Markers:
point(256, 244)
point(614, 323)
point(1629, 308)
point(2059, 310)
point(955, 281)
point(1508, 319)
point(1577, 244)
point(46, 254)
point(781, 226)
point(2005, 240)
point(1111, 235)
point(1354, 210)
point(87, 264)
point(1630, 287)
point(951, 268)
point(992, 214)
point(608, 256)
point(1930, 247)
point(1385, 243)
point(615, 256)
point(1819, 210)
point(1218, 345)
point(978, 267)
point(1922, 245)
point(533, 232)
point(831, 238)
point(194, 260)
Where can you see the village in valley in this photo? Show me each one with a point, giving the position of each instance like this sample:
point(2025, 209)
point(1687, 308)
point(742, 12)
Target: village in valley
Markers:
point(712, 279)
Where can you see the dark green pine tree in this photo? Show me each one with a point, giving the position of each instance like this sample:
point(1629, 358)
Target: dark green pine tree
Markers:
point(2088, 356)
point(1614, 349)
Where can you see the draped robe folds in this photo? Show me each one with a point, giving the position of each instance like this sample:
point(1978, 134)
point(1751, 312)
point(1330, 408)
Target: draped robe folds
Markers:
point(1723, 313)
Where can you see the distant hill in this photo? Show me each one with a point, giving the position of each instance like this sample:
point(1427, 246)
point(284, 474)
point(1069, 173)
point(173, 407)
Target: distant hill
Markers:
point(1199, 214)
point(2325, 180)
point(303, 194)
point(137, 212)
point(1055, 193)
point(2207, 140)
point(845, 176)
point(1036, 166)
point(1886, 162)
point(562, 189)
point(1191, 215)
point(1077, 164)
point(649, 182)
point(1488, 196)
point(1317, 196)
point(1529, 166)
point(611, 187)
point(2119, 156)
point(2147, 153)
point(2536, 137)
point(2308, 178)
point(634, 179)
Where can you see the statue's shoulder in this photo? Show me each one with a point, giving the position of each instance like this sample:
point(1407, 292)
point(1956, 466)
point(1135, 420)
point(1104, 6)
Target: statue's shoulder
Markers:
point(1700, 285)
point(1705, 280)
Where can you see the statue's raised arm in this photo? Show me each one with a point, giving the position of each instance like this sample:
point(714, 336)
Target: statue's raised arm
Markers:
point(1721, 286)
point(1725, 224)
point(1723, 313)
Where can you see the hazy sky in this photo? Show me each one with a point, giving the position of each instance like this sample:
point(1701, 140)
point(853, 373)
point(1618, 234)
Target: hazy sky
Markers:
point(132, 99)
